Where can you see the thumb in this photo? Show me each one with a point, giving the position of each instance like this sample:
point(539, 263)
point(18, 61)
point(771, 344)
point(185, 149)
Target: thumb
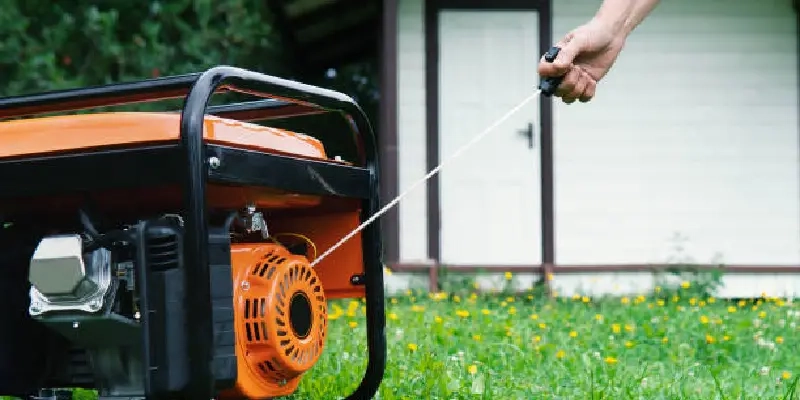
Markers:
point(569, 49)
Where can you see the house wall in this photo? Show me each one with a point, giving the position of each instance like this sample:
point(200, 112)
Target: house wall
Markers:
point(411, 141)
point(690, 149)
point(693, 136)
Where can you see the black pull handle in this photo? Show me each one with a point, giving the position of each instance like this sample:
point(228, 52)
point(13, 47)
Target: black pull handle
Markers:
point(549, 85)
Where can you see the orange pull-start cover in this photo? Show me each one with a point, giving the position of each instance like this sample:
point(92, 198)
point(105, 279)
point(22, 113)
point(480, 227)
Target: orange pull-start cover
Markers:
point(280, 315)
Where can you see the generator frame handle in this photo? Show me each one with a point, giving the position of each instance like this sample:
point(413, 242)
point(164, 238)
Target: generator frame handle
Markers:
point(286, 98)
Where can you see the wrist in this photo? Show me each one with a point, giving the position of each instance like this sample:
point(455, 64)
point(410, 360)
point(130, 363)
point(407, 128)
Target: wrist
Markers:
point(616, 25)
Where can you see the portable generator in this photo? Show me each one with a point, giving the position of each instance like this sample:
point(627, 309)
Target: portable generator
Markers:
point(169, 255)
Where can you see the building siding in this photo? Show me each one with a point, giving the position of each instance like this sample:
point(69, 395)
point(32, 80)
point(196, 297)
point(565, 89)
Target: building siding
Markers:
point(691, 143)
point(689, 152)
point(411, 129)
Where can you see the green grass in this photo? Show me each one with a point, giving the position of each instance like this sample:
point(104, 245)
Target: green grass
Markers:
point(675, 345)
point(516, 348)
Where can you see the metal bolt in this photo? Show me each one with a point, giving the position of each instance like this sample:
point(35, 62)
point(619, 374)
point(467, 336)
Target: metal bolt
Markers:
point(245, 285)
point(95, 304)
point(214, 162)
point(75, 325)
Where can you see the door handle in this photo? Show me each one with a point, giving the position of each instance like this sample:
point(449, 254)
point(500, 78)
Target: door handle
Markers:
point(528, 133)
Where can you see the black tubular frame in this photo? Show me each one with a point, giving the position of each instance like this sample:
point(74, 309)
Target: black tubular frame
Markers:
point(196, 171)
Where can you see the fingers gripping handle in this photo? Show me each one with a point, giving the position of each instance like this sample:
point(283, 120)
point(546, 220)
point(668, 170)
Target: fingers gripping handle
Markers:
point(549, 85)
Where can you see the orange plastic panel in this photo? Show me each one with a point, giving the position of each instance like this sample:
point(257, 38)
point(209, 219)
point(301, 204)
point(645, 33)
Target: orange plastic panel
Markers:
point(325, 229)
point(68, 133)
point(280, 314)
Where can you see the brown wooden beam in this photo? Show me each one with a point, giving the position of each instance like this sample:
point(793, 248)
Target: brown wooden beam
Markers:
point(598, 268)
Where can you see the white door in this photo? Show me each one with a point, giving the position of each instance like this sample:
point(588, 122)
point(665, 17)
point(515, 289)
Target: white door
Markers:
point(490, 195)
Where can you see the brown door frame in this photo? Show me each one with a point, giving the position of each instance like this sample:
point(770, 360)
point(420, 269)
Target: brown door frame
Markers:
point(432, 12)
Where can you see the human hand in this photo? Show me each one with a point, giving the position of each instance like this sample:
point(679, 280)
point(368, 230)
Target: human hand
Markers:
point(587, 54)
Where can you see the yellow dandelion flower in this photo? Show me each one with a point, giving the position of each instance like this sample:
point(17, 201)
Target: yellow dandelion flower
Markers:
point(712, 300)
point(476, 338)
point(726, 338)
point(437, 319)
point(508, 276)
point(731, 309)
point(462, 313)
point(762, 314)
point(456, 299)
point(785, 375)
point(616, 328)
point(576, 296)
point(703, 319)
point(610, 360)
point(701, 303)
point(710, 339)
point(660, 302)
point(412, 347)
point(693, 301)
point(657, 289)
point(629, 328)
point(573, 334)
point(472, 369)
point(585, 299)
point(534, 317)
point(512, 310)
point(665, 340)
point(598, 317)
point(742, 303)
point(353, 324)
point(392, 316)
point(393, 300)
point(624, 300)
point(417, 308)
point(686, 284)
point(676, 298)
point(560, 354)
point(779, 340)
point(485, 311)
point(537, 339)
point(628, 344)
point(503, 304)
point(510, 299)
point(542, 325)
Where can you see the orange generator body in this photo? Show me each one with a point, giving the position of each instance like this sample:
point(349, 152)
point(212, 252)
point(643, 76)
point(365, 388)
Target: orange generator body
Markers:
point(170, 255)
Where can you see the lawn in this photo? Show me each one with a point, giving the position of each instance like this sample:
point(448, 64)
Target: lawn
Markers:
point(672, 345)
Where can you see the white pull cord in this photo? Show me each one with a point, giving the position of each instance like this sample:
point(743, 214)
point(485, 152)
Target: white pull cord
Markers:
point(426, 177)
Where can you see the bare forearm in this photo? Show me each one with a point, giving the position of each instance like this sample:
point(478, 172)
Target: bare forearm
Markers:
point(623, 16)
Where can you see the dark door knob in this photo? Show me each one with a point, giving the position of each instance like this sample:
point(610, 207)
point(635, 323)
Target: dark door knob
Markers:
point(528, 133)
